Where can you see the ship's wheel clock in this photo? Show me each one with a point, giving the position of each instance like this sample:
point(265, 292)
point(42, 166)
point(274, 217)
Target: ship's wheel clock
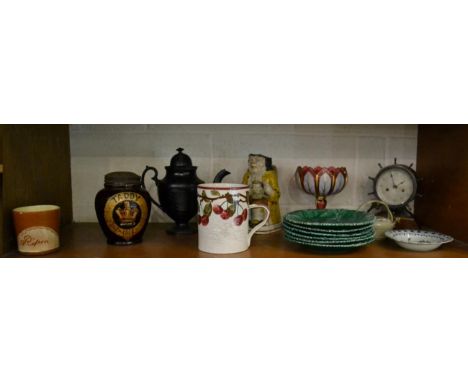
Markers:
point(396, 185)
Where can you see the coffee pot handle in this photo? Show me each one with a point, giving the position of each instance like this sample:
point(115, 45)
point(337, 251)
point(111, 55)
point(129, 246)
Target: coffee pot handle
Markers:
point(154, 178)
point(262, 223)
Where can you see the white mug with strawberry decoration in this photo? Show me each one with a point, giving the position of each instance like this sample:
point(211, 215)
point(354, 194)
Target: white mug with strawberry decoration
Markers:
point(223, 218)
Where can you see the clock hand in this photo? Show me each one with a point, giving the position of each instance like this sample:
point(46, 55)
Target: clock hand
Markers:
point(393, 180)
point(399, 184)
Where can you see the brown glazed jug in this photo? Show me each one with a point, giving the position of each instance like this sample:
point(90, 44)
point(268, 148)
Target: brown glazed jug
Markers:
point(123, 208)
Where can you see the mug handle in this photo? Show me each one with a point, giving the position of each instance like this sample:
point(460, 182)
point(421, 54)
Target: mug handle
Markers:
point(263, 222)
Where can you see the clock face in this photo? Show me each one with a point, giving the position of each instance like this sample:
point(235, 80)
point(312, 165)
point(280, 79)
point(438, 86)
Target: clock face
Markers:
point(395, 185)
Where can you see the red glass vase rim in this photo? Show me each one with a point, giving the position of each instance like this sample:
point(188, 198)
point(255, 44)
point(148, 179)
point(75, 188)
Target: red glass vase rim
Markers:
point(320, 168)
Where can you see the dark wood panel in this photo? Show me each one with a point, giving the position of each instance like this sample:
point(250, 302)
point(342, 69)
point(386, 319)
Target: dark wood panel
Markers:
point(3, 246)
point(2, 130)
point(87, 240)
point(443, 164)
point(36, 170)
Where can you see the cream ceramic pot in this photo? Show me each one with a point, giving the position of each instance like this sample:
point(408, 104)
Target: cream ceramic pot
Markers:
point(223, 218)
point(381, 224)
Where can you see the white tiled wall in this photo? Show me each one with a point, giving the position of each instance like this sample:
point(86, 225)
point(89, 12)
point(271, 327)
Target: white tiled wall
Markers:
point(99, 149)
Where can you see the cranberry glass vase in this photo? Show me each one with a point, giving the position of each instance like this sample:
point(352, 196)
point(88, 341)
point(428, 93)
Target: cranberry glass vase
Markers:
point(321, 182)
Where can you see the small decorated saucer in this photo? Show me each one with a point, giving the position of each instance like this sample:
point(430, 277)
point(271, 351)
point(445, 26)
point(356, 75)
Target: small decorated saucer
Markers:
point(420, 241)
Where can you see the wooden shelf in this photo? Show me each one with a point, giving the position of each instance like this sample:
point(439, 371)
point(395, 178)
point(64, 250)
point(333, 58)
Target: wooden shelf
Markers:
point(86, 240)
point(39, 157)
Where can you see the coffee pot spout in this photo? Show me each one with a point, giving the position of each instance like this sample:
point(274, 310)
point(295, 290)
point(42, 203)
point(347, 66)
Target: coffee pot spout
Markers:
point(221, 175)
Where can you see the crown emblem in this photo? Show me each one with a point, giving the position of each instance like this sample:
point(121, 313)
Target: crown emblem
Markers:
point(127, 214)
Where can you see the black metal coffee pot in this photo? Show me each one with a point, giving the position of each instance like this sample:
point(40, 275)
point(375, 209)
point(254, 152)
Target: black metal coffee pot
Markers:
point(178, 191)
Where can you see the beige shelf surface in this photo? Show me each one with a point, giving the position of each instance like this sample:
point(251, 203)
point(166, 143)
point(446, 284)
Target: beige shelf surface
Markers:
point(87, 241)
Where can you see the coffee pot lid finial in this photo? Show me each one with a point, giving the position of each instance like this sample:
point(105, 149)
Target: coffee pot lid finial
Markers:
point(181, 160)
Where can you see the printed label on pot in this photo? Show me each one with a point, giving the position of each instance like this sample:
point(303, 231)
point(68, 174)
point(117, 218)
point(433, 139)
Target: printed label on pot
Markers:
point(125, 214)
point(38, 239)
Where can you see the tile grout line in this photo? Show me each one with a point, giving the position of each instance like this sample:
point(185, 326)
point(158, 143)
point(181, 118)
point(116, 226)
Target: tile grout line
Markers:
point(356, 164)
point(210, 139)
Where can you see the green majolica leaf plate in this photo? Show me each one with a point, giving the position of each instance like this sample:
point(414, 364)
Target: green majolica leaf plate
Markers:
point(333, 218)
point(338, 231)
point(330, 240)
point(328, 233)
point(329, 247)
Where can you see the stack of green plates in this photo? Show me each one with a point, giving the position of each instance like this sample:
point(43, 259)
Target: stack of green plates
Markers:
point(329, 230)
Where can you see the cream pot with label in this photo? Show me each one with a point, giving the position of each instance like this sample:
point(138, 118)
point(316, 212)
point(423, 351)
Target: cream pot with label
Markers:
point(223, 218)
point(37, 229)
